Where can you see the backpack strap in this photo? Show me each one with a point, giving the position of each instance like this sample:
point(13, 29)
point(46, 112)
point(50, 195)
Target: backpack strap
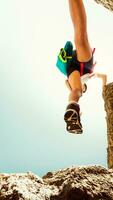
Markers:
point(63, 55)
point(93, 67)
point(93, 50)
point(81, 68)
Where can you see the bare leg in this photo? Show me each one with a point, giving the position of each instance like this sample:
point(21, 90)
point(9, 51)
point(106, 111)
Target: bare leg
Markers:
point(84, 52)
point(76, 86)
point(78, 16)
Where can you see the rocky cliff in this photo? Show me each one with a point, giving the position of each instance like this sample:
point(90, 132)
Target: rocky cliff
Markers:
point(106, 3)
point(108, 99)
point(74, 183)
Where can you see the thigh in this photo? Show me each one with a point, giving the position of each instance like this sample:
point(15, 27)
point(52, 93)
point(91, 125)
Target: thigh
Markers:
point(78, 16)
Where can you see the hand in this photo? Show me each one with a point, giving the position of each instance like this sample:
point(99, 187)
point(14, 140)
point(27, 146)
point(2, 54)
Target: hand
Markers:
point(103, 77)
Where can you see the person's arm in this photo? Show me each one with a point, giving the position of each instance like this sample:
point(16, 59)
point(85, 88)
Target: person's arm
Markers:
point(103, 77)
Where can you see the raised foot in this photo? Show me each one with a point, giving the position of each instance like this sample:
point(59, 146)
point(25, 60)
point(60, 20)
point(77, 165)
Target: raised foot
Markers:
point(72, 119)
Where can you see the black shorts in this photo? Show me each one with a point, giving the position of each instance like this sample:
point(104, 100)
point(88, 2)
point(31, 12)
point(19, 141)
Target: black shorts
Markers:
point(74, 64)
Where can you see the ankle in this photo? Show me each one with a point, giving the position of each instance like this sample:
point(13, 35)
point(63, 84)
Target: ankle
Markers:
point(73, 105)
point(75, 95)
point(73, 102)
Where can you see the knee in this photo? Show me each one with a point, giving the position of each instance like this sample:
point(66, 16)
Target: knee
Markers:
point(81, 42)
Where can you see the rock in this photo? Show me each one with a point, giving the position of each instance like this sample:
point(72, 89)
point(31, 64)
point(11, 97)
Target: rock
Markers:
point(108, 99)
point(23, 187)
point(74, 183)
point(106, 3)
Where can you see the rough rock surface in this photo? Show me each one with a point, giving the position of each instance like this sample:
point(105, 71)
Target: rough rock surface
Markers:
point(106, 3)
point(23, 187)
point(108, 99)
point(74, 183)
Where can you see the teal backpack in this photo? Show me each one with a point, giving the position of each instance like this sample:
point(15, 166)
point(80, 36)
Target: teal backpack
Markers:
point(64, 56)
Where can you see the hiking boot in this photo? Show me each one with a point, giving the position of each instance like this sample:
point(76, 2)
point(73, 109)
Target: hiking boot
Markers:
point(72, 119)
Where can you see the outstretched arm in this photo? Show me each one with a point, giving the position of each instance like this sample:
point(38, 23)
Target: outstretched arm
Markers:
point(103, 77)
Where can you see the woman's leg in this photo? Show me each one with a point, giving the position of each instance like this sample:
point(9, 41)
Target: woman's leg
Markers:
point(76, 86)
point(84, 54)
point(78, 16)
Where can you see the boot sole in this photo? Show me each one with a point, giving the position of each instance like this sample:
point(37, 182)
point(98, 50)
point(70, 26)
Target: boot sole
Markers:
point(68, 119)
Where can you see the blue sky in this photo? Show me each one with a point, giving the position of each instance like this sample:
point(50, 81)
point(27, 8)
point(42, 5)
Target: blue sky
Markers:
point(33, 95)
